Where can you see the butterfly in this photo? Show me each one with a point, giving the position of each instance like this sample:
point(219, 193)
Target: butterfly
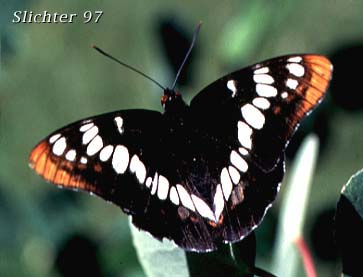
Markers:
point(201, 174)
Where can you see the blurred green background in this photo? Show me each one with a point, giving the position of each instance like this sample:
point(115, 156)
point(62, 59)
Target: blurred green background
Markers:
point(50, 76)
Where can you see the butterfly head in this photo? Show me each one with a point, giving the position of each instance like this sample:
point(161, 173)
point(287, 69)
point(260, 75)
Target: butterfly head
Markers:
point(172, 101)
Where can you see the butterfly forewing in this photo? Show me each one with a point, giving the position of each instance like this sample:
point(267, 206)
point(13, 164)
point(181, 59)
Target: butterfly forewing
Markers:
point(265, 101)
point(199, 175)
point(93, 154)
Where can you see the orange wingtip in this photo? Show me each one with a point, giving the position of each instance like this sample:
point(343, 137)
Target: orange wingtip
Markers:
point(320, 65)
point(319, 74)
point(316, 80)
point(57, 170)
point(312, 85)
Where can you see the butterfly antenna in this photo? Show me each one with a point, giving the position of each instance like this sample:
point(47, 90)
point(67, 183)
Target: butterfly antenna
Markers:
point(196, 32)
point(128, 66)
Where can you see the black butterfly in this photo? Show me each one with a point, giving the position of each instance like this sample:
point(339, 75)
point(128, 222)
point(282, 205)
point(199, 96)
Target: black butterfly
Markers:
point(199, 174)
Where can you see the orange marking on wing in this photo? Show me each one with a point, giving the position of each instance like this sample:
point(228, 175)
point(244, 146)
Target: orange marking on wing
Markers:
point(38, 157)
point(312, 86)
point(320, 71)
point(61, 177)
point(57, 170)
point(97, 167)
point(40, 165)
point(37, 160)
point(50, 169)
point(320, 65)
point(74, 181)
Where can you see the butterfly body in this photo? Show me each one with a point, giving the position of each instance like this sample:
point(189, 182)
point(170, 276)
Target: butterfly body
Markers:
point(199, 174)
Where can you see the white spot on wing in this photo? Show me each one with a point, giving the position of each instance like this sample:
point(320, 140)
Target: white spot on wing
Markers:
point(296, 69)
point(59, 146)
point(231, 85)
point(296, 59)
point(266, 90)
point(263, 79)
point(262, 70)
point(292, 83)
point(173, 195)
point(155, 184)
point(284, 95)
point(89, 134)
point(218, 202)
point(235, 176)
point(95, 145)
point(106, 153)
point(54, 138)
point(244, 134)
point(202, 208)
point(83, 160)
point(119, 122)
point(120, 159)
point(163, 187)
point(141, 172)
point(71, 155)
point(261, 103)
point(226, 183)
point(185, 197)
point(253, 116)
point(86, 127)
point(238, 161)
point(138, 167)
point(243, 151)
point(148, 182)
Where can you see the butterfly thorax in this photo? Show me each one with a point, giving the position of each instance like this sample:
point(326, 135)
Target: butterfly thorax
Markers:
point(180, 139)
point(173, 102)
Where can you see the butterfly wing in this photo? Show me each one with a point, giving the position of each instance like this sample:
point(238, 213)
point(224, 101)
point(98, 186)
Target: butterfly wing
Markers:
point(266, 102)
point(138, 161)
point(92, 154)
point(251, 114)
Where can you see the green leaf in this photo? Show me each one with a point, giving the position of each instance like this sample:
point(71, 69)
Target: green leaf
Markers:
point(292, 215)
point(158, 258)
point(229, 260)
point(165, 259)
point(349, 225)
point(353, 191)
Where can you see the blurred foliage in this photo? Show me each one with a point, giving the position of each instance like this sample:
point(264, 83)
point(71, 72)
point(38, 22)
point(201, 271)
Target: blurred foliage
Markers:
point(50, 76)
point(291, 220)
